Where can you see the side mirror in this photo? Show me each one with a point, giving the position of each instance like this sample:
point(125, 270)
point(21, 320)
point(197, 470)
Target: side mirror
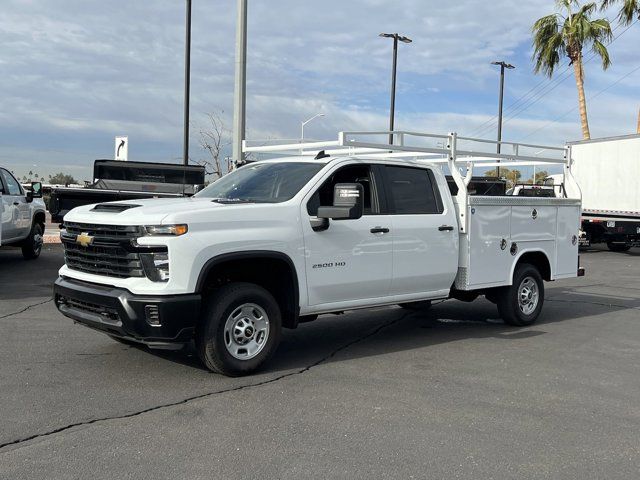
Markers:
point(36, 189)
point(348, 202)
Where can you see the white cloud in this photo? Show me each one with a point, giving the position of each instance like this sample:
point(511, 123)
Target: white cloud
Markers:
point(81, 72)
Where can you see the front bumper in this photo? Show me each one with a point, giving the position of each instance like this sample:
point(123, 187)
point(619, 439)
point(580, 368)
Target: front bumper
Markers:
point(157, 321)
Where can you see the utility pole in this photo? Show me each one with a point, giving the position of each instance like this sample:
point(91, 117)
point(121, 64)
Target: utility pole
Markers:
point(239, 104)
point(187, 84)
point(396, 37)
point(503, 65)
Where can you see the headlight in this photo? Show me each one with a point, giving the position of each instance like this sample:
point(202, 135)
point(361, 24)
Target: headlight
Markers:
point(175, 230)
point(156, 266)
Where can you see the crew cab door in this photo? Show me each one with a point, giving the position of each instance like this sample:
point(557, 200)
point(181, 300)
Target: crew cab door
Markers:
point(14, 208)
point(424, 232)
point(351, 259)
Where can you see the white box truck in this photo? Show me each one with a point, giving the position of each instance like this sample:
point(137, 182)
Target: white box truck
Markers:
point(608, 173)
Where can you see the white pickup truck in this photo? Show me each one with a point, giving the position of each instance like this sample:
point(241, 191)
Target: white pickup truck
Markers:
point(22, 215)
point(280, 241)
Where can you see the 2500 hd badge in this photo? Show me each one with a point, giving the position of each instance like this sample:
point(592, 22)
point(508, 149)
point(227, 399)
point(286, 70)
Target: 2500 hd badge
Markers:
point(329, 265)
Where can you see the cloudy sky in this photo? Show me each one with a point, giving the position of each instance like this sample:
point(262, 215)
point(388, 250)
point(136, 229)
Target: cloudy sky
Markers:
point(75, 73)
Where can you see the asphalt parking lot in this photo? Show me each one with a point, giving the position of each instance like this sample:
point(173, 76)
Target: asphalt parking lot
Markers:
point(448, 393)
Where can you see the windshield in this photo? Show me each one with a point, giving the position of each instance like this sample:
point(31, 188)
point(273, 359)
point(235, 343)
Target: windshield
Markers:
point(262, 182)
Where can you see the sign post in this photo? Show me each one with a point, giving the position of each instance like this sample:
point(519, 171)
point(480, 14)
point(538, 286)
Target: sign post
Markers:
point(121, 149)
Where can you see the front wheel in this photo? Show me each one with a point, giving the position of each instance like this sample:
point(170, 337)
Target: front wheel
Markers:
point(32, 245)
point(521, 303)
point(240, 329)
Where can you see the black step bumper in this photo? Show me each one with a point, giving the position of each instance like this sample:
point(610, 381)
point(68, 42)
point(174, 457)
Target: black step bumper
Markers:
point(157, 321)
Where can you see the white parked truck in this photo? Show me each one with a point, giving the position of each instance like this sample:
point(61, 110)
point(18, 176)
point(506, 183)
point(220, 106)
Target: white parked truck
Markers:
point(608, 172)
point(334, 226)
point(22, 215)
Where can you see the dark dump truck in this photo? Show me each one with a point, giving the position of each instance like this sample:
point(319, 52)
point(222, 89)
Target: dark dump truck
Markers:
point(117, 180)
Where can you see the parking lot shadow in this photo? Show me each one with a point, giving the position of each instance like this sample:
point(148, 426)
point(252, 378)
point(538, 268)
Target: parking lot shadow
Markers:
point(371, 333)
point(21, 279)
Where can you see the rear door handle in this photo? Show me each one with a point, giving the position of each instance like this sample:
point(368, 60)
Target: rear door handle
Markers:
point(16, 203)
point(445, 228)
point(379, 230)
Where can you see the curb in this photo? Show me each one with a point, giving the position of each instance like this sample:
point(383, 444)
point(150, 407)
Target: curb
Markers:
point(47, 238)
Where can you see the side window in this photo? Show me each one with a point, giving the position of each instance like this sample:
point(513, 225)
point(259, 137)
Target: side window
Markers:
point(362, 174)
point(12, 184)
point(412, 191)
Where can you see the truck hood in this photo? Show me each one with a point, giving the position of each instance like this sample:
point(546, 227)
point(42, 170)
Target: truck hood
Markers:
point(151, 211)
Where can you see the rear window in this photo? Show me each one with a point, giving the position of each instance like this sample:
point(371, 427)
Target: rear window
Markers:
point(412, 191)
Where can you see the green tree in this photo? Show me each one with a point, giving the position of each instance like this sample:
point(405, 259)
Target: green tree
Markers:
point(568, 33)
point(629, 9)
point(61, 179)
point(511, 176)
point(540, 176)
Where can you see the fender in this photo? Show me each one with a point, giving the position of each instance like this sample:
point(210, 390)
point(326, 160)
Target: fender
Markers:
point(249, 254)
point(524, 252)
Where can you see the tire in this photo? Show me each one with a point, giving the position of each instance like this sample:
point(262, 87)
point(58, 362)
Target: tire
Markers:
point(32, 245)
point(240, 329)
point(416, 306)
point(618, 247)
point(528, 285)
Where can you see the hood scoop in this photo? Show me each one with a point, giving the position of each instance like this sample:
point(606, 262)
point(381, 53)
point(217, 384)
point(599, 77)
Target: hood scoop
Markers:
point(113, 207)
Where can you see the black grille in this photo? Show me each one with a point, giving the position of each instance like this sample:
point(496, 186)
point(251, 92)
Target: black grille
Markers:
point(105, 232)
point(110, 254)
point(106, 313)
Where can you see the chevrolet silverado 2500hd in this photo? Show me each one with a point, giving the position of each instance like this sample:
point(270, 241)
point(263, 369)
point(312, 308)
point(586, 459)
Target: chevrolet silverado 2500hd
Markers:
point(279, 241)
point(22, 215)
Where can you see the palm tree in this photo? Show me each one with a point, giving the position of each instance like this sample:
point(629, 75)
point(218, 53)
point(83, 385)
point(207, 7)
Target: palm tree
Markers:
point(568, 34)
point(629, 10)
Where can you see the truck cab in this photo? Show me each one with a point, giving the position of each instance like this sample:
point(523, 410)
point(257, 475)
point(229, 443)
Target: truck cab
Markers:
point(22, 215)
point(280, 241)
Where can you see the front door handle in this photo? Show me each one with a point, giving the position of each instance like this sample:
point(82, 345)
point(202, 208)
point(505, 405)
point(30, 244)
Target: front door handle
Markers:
point(379, 230)
point(445, 228)
point(16, 203)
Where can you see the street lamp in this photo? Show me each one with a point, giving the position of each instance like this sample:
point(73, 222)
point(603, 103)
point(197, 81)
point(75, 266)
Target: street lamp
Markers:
point(187, 84)
point(503, 65)
point(302, 124)
point(396, 38)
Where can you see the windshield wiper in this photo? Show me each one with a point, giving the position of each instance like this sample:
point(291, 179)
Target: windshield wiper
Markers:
point(229, 201)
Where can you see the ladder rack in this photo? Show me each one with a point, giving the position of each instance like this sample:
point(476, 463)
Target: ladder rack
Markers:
point(455, 151)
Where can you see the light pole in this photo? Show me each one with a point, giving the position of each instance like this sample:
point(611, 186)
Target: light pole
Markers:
point(187, 84)
point(396, 37)
point(240, 90)
point(503, 65)
point(302, 124)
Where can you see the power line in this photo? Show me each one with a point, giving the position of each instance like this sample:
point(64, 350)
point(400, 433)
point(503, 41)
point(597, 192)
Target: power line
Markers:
point(557, 119)
point(525, 103)
point(593, 55)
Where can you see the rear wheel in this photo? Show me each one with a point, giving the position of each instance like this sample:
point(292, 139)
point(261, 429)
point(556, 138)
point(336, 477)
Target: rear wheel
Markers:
point(521, 303)
point(618, 247)
point(32, 245)
point(240, 329)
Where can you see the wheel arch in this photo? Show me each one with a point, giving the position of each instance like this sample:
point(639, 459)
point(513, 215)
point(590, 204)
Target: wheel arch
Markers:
point(40, 217)
point(272, 270)
point(536, 257)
